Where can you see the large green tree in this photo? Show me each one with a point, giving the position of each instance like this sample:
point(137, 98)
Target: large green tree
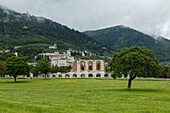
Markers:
point(43, 66)
point(2, 69)
point(16, 66)
point(135, 62)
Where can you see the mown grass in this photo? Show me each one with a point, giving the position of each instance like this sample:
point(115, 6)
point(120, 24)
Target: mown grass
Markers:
point(84, 95)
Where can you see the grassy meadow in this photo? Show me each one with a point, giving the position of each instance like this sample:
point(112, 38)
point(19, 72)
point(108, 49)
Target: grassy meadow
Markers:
point(84, 96)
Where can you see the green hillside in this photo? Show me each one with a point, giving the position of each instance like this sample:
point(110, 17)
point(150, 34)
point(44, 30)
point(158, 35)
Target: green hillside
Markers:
point(120, 36)
point(35, 34)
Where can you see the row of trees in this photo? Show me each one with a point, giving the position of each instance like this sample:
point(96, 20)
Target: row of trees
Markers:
point(133, 61)
point(15, 66)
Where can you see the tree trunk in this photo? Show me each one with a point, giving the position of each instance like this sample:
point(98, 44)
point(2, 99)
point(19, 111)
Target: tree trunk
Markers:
point(15, 78)
point(130, 81)
point(45, 76)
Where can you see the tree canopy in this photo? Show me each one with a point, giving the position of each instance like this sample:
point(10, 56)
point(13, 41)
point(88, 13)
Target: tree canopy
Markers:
point(43, 66)
point(2, 68)
point(16, 66)
point(135, 62)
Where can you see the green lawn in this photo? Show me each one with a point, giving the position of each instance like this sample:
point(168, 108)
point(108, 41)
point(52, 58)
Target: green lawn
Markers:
point(84, 96)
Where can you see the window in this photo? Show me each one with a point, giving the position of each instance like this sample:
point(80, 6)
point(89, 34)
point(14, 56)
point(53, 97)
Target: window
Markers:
point(98, 65)
point(82, 75)
point(106, 75)
point(60, 76)
point(82, 66)
point(74, 75)
point(90, 66)
point(67, 76)
point(98, 75)
point(90, 75)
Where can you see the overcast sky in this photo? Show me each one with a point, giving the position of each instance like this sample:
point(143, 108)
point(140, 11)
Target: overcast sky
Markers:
point(149, 16)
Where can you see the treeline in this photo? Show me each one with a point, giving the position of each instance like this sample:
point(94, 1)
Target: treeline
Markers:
point(5, 56)
point(11, 67)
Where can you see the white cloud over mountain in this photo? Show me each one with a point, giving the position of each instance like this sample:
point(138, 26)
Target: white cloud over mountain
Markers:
point(148, 16)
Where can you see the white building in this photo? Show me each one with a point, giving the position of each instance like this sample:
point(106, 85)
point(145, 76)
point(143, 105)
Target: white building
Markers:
point(16, 47)
point(7, 51)
point(57, 59)
point(16, 54)
point(33, 64)
point(53, 47)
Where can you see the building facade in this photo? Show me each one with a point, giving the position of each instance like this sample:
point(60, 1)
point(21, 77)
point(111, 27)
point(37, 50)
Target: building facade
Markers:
point(84, 69)
point(57, 59)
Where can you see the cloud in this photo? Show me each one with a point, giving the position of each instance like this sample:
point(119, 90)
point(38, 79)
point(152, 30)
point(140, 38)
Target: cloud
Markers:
point(149, 16)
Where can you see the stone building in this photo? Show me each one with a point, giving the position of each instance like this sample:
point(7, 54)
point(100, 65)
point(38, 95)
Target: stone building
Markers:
point(84, 69)
point(57, 59)
point(53, 47)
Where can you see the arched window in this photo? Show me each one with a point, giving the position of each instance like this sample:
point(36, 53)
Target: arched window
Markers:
point(82, 75)
point(90, 75)
point(90, 66)
point(74, 76)
point(98, 65)
point(82, 66)
point(67, 76)
point(106, 75)
point(98, 75)
point(60, 76)
point(53, 76)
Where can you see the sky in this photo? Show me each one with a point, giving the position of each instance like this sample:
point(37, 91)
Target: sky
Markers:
point(149, 16)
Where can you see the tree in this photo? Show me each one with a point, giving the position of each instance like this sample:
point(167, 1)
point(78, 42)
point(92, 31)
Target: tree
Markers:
point(168, 73)
point(2, 69)
point(34, 71)
point(30, 67)
point(16, 66)
point(43, 66)
point(135, 62)
point(164, 73)
point(55, 69)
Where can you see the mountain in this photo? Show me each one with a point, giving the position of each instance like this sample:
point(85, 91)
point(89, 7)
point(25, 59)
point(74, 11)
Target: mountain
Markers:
point(119, 36)
point(163, 40)
point(35, 34)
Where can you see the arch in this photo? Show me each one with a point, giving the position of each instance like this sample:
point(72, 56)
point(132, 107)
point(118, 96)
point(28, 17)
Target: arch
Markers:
point(67, 76)
point(60, 75)
point(98, 75)
point(82, 75)
point(90, 65)
point(82, 66)
point(74, 75)
point(48, 76)
point(98, 65)
point(106, 75)
point(43, 76)
point(90, 75)
point(53, 76)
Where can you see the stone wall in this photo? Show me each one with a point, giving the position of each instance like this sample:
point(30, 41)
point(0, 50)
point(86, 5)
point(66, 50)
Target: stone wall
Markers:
point(77, 72)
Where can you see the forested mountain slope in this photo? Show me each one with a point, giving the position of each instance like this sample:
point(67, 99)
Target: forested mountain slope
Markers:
point(119, 36)
point(35, 34)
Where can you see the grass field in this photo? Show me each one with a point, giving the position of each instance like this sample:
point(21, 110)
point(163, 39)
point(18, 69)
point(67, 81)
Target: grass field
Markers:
point(84, 95)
